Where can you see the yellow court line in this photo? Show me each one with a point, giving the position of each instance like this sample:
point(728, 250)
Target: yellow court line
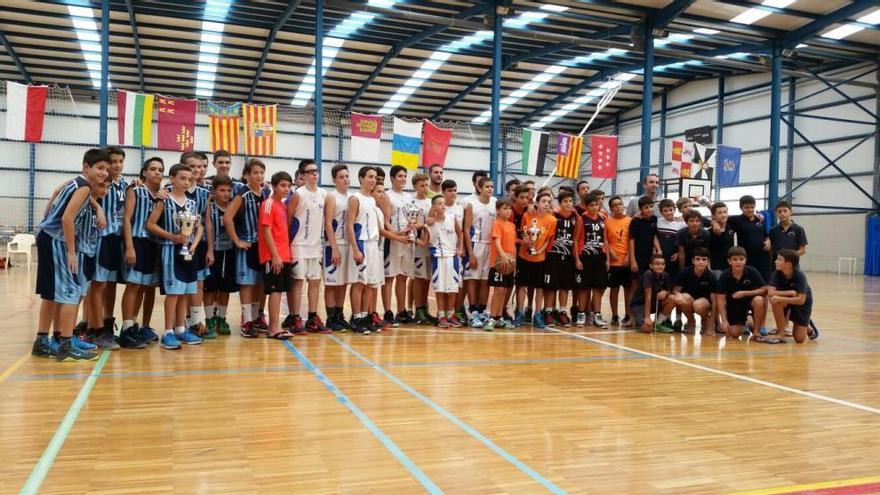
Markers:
point(812, 486)
point(10, 370)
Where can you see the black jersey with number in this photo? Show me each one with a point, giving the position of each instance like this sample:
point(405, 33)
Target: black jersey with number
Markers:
point(594, 235)
point(564, 242)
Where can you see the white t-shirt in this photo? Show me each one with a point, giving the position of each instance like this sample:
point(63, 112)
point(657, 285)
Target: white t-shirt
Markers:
point(308, 223)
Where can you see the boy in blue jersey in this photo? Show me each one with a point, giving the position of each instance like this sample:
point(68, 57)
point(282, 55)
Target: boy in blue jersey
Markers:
point(204, 256)
point(178, 273)
point(221, 279)
point(141, 254)
point(58, 281)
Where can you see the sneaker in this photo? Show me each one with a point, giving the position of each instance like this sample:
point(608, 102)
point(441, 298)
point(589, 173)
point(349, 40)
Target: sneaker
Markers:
point(456, 323)
point(211, 323)
point(813, 332)
point(342, 321)
point(599, 321)
point(287, 324)
point(563, 319)
point(677, 325)
point(538, 320)
point(377, 322)
point(789, 332)
point(581, 319)
point(297, 328)
point(82, 344)
point(422, 317)
point(43, 346)
point(550, 318)
point(189, 338)
point(223, 326)
point(664, 327)
point(527, 314)
point(130, 338)
point(106, 340)
point(248, 331)
point(69, 352)
point(80, 328)
point(336, 323)
point(261, 323)
point(405, 317)
point(442, 322)
point(588, 319)
point(199, 329)
point(315, 325)
point(505, 323)
point(357, 326)
point(626, 322)
point(518, 318)
point(461, 316)
point(489, 325)
point(147, 334)
point(475, 322)
point(390, 319)
point(169, 341)
point(210, 333)
point(615, 321)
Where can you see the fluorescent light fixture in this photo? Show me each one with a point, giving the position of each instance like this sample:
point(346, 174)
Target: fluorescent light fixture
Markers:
point(672, 38)
point(750, 16)
point(802, 45)
point(872, 18)
point(706, 31)
point(842, 31)
point(210, 42)
point(781, 4)
point(89, 39)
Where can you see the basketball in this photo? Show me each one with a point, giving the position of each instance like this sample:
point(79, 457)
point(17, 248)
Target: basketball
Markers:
point(505, 268)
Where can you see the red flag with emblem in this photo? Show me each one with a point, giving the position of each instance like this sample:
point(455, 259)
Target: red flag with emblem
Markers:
point(604, 157)
point(177, 123)
point(435, 144)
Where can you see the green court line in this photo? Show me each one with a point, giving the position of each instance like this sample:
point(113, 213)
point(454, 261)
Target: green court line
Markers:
point(41, 468)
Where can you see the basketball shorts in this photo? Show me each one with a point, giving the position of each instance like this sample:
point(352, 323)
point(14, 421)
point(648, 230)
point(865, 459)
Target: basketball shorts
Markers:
point(276, 282)
point(738, 310)
point(560, 274)
point(146, 260)
point(307, 269)
point(481, 272)
point(369, 271)
point(55, 282)
point(178, 276)
point(336, 275)
point(200, 259)
point(530, 273)
point(247, 265)
point(110, 259)
point(221, 276)
point(85, 272)
point(800, 315)
point(619, 276)
point(422, 267)
point(594, 275)
point(445, 274)
point(398, 259)
point(497, 279)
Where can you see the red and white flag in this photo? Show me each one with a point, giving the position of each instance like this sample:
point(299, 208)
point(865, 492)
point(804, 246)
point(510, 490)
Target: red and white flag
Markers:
point(604, 157)
point(25, 111)
point(681, 158)
point(366, 134)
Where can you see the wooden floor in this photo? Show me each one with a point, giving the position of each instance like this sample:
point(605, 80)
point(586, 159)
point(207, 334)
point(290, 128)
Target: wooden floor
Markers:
point(453, 411)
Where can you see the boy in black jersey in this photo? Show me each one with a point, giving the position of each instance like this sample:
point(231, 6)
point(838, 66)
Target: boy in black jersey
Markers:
point(563, 268)
point(593, 278)
point(751, 236)
point(740, 289)
point(691, 237)
point(654, 292)
point(694, 290)
point(642, 236)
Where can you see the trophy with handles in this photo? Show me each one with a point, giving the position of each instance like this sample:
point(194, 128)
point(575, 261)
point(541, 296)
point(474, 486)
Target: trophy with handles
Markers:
point(413, 215)
point(533, 233)
point(186, 221)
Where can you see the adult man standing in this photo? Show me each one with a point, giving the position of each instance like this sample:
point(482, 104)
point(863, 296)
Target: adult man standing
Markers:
point(651, 184)
point(435, 185)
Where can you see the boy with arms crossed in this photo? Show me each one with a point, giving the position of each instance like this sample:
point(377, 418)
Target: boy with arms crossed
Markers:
point(595, 262)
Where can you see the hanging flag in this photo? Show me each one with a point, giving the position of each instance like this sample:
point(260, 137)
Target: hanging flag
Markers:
point(534, 151)
point(177, 123)
point(25, 111)
point(436, 144)
point(260, 123)
point(681, 158)
point(704, 162)
point(223, 123)
point(406, 143)
point(134, 118)
point(604, 157)
point(568, 155)
point(729, 159)
point(366, 134)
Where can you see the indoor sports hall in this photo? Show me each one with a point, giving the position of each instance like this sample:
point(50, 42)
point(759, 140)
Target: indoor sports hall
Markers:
point(623, 121)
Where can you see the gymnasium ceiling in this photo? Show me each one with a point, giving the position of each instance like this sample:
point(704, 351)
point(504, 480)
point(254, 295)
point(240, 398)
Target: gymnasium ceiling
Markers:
point(404, 57)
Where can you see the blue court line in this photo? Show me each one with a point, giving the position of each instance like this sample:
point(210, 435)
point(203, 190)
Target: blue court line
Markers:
point(375, 430)
point(41, 469)
point(455, 420)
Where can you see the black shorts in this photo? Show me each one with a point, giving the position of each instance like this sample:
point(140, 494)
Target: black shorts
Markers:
point(109, 259)
point(620, 276)
point(672, 270)
point(800, 315)
point(560, 272)
point(221, 277)
point(200, 257)
point(276, 282)
point(738, 310)
point(530, 273)
point(594, 275)
point(498, 280)
point(145, 270)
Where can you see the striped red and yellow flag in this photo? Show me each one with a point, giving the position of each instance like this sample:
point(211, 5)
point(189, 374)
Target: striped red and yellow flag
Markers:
point(568, 155)
point(223, 124)
point(259, 129)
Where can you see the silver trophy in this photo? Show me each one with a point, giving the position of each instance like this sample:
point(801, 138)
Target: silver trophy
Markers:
point(533, 232)
point(413, 216)
point(186, 225)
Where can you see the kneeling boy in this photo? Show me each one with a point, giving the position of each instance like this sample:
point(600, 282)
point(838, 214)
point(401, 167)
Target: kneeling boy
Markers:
point(694, 287)
point(740, 289)
point(654, 292)
point(791, 297)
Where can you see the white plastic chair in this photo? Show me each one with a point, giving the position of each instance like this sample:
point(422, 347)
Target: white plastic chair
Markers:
point(21, 244)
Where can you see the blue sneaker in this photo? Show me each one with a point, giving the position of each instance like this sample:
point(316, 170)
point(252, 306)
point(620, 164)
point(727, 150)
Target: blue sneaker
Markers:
point(44, 346)
point(147, 334)
point(82, 344)
point(813, 332)
point(764, 332)
point(538, 320)
point(189, 338)
point(169, 341)
point(518, 318)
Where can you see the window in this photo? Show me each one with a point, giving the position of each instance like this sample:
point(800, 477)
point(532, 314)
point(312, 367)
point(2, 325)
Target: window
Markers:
point(730, 196)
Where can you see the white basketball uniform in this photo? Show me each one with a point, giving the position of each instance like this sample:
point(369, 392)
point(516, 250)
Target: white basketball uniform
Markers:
point(421, 256)
point(398, 256)
point(308, 230)
point(336, 275)
point(366, 231)
point(445, 268)
point(481, 238)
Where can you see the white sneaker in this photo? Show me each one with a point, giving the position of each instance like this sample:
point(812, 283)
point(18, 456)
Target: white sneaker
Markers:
point(788, 332)
point(505, 323)
point(581, 319)
point(490, 325)
point(476, 322)
point(599, 321)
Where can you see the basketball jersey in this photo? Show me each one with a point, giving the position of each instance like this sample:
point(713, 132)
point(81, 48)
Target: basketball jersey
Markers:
point(398, 201)
point(114, 207)
point(366, 226)
point(443, 238)
point(564, 243)
point(423, 206)
point(51, 223)
point(200, 194)
point(307, 226)
point(340, 214)
point(457, 212)
point(86, 232)
point(246, 219)
point(594, 235)
point(481, 224)
point(222, 241)
point(172, 208)
point(144, 199)
point(380, 220)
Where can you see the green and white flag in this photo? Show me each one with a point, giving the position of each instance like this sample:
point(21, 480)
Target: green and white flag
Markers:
point(534, 151)
point(134, 118)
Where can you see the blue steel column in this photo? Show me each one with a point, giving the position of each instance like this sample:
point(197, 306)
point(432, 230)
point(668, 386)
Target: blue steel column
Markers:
point(319, 83)
point(496, 98)
point(500, 192)
point(32, 184)
point(719, 127)
point(105, 71)
point(789, 138)
point(661, 160)
point(647, 99)
point(775, 121)
point(616, 133)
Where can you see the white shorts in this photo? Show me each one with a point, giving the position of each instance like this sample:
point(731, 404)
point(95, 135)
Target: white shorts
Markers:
point(307, 269)
point(368, 272)
point(422, 267)
point(481, 272)
point(445, 274)
point(398, 259)
point(336, 275)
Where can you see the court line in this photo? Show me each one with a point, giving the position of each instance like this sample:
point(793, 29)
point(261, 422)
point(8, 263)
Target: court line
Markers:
point(455, 420)
point(728, 374)
point(374, 429)
point(41, 468)
point(825, 487)
point(13, 367)
point(478, 331)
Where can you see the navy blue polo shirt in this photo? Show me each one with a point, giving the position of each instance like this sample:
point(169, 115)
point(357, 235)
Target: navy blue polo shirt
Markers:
point(750, 236)
point(719, 245)
point(642, 232)
point(797, 283)
point(792, 238)
point(751, 280)
point(698, 286)
point(690, 242)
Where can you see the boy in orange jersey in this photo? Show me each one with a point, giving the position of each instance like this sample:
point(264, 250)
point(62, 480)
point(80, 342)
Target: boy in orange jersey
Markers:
point(617, 237)
point(537, 229)
point(275, 252)
point(503, 248)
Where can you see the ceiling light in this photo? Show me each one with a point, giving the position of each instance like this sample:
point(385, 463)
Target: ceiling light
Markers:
point(780, 4)
point(750, 16)
point(842, 31)
point(872, 18)
point(706, 31)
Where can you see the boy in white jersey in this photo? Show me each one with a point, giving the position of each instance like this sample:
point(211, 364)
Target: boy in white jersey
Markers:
point(399, 255)
point(460, 312)
point(478, 218)
point(385, 238)
point(336, 252)
point(362, 230)
point(456, 210)
point(421, 257)
point(445, 240)
point(306, 214)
